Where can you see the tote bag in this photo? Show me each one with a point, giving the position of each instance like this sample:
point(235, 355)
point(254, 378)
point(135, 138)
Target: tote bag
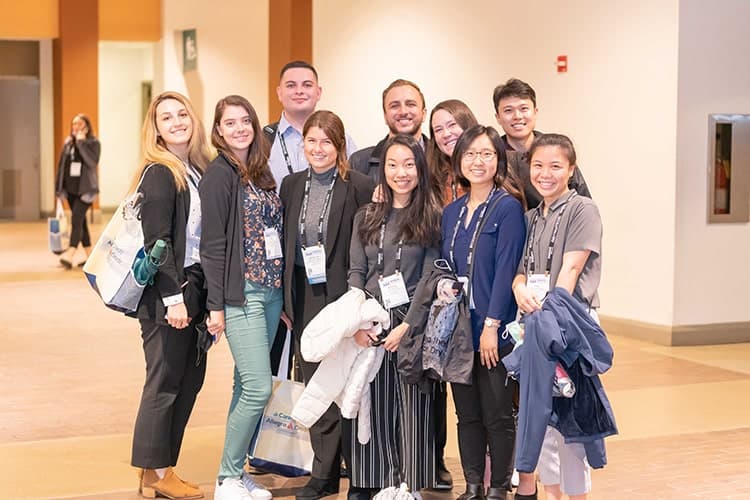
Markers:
point(59, 230)
point(109, 268)
point(280, 444)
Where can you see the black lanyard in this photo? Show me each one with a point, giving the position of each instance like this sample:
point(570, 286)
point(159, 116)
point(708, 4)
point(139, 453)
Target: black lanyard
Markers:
point(529, 262)
point(285, 152)
point(473, 242)
point(381, 256)
point(322, 218)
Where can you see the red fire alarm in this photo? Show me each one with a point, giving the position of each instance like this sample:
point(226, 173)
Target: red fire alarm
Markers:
point(562, 64)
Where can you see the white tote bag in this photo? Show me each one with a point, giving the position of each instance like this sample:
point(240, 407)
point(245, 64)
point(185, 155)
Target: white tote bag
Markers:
point(59, 230)
point(109, 268)
point(280, 444)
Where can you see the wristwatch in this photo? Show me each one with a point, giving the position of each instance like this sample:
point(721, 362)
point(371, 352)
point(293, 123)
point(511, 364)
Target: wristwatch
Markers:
point(492, 323)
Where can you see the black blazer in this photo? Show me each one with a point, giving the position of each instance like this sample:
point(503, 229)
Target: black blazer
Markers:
point(346, 199)
point(164, 214)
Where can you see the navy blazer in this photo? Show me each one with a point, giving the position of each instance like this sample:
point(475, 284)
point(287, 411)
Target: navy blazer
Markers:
point(563, 331)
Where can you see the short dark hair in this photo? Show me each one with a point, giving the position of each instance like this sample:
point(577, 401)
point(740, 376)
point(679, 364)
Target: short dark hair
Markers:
point(403, 83)
point(559, 140)
point(297, 64)
point(513, 88)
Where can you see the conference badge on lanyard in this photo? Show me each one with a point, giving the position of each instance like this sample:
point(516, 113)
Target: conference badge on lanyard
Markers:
point(273, 243)
point(539, 285)
point(393, 290)
point(468, 290)
point(75, 169)
point(315, 264)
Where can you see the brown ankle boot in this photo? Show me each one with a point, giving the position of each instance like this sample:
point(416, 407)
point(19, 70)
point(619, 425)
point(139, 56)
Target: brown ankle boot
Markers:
point(189, 483)
point(169, 486)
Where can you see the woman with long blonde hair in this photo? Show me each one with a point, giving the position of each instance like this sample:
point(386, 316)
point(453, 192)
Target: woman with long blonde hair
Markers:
point(175, 155)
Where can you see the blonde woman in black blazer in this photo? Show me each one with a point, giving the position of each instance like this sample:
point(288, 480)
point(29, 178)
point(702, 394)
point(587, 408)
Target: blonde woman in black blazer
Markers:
point(174, 155)
point(324, 142)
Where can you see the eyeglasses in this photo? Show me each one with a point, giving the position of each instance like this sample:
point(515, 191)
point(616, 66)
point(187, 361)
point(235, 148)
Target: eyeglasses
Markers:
point(485, 155)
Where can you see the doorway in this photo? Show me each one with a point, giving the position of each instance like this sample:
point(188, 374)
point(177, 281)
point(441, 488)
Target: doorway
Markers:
point(19, 149)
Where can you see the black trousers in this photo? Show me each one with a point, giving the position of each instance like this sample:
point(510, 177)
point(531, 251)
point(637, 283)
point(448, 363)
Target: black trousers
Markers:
point(441, 431)
point(79, 228)
point(172, 385)
point(325, 434)
point(485, 418)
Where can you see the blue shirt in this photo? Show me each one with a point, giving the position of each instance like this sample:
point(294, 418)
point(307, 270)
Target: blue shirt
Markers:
point(498, 250)
point(293, 140)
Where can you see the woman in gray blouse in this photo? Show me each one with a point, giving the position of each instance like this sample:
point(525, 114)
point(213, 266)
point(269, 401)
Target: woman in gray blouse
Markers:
point(392, 243)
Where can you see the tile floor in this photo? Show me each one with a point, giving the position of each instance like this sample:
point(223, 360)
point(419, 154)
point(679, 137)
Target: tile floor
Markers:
point(71, 373)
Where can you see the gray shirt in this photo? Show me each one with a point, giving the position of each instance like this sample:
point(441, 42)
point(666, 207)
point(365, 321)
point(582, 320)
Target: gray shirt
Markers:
point(319, 185)
point(363, 273)
point(580, 229)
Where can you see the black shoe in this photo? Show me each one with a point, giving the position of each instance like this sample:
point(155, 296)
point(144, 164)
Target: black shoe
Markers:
point(444, 480)
point(497, 494)
point(359, 493)
point(518, 496)
point(473, 492)
point(317, 488)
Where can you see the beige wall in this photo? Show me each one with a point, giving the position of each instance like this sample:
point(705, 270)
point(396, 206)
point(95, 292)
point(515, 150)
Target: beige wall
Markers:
point(232, 52)
point(621, 86)
point(711, 271)
point(122, 68)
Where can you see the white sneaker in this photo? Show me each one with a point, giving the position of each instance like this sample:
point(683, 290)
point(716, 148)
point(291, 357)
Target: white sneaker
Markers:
point(231, 488)
point(257, 492)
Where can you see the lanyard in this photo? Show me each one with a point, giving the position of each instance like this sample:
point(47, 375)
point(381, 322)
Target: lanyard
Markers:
point(454, 191)
point(381, 257)
point(192, 175)
point(529, 261)
point(285, 152)
point(321, 219)
point(473, 242)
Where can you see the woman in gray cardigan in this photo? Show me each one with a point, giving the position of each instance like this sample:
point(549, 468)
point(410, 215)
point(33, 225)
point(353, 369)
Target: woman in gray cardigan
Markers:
point(78, 183)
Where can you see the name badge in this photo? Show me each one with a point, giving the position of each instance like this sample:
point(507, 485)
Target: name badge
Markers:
point(468, 290)
point(315, 264)
point(273, 243)
point(393, 290)
point(75, 169)
point(538, 284)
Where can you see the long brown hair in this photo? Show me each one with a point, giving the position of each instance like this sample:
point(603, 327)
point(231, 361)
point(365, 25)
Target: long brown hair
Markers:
point(439, 162)
point(505, 177)
point(420, 221)
point(154, 149)
point(254, 168)
point(333, 128)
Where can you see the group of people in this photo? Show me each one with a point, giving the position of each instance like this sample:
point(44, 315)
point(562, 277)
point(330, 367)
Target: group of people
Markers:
point(286, 218)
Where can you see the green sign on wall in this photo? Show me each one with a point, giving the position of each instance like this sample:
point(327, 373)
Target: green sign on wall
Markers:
point(189, 50)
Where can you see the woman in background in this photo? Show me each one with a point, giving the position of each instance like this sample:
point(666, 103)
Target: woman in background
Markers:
point(175, 156)
point(77, 181)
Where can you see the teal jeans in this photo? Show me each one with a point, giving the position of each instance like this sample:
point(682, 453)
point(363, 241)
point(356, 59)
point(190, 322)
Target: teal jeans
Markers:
point(250, 330)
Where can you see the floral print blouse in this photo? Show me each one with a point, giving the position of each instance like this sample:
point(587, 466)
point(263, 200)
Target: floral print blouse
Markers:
point(260, 210)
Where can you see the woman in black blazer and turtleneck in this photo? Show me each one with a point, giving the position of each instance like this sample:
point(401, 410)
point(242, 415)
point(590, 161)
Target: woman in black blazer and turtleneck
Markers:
point(329, 188)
